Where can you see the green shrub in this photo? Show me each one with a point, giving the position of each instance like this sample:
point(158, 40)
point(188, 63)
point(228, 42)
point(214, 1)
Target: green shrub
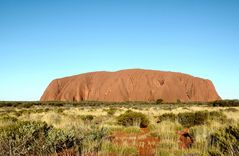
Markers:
point(130, 118)
point(159, 101)
point(231, 110)
point(17, 113)
point(190, 119)
point(87, 117)
point(39, 110)
point(111, 111)
point(8, 119)
point(218, 116)
point(178, 101)
point(225, 103)
point(58, 140)
point(186, 119)
point(33, 138)
point(214, 152)
point(167, 116)
point(25, 105)
point(225, 141)
point(59, 110)
point(93, 139)
point(201, 117)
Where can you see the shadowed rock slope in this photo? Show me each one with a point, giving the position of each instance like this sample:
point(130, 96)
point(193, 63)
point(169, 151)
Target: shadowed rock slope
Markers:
point(131, 85)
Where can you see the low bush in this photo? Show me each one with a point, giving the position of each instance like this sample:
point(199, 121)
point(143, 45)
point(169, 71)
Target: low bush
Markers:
point(87, 117)
point(17, 113)
point(130, 118)
point(159, 101)
point(231, 110)
point(167, 116)
point(93, 139)
point(225, 141)
point(214, 152)
point(218, 116)
point(111, 111)
point(33, 138)
point(199, 118)
point(186, 119)
point(26, 105)
point(189, 119)
point(59, 110)
point(7, 118)
point(225, 103)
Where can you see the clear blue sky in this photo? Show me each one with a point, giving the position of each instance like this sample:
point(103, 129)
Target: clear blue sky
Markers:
point(47, 39)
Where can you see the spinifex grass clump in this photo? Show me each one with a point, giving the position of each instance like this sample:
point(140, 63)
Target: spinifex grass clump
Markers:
point(130, 118)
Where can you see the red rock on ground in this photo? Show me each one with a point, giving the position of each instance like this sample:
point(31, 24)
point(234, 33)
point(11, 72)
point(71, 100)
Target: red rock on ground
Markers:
point(185, 140)
point(131, 85)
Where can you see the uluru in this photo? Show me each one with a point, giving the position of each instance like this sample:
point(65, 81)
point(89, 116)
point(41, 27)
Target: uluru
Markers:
point(131, 85)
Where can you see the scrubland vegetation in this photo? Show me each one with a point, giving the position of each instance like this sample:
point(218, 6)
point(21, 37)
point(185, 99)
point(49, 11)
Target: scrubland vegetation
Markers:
point(121, 129)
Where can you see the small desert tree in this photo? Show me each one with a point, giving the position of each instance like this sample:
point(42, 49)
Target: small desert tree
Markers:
point(178, 101)
point(159, 101)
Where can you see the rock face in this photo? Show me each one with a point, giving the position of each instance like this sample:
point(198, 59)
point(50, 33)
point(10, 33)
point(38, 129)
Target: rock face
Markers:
point(131, 85)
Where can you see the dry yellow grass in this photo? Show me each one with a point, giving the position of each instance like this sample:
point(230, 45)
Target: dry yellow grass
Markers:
point(69, 118)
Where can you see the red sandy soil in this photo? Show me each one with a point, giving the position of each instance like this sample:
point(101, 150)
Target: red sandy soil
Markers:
point(68, 152)
point(143, 141)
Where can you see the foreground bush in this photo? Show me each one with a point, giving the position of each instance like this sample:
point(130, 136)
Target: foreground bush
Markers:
point(33, 138)
point(225, 142)
point(93, 139)
point(131, 118)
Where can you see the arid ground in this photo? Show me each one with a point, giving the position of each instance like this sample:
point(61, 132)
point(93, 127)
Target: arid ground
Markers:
point(119, 129)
